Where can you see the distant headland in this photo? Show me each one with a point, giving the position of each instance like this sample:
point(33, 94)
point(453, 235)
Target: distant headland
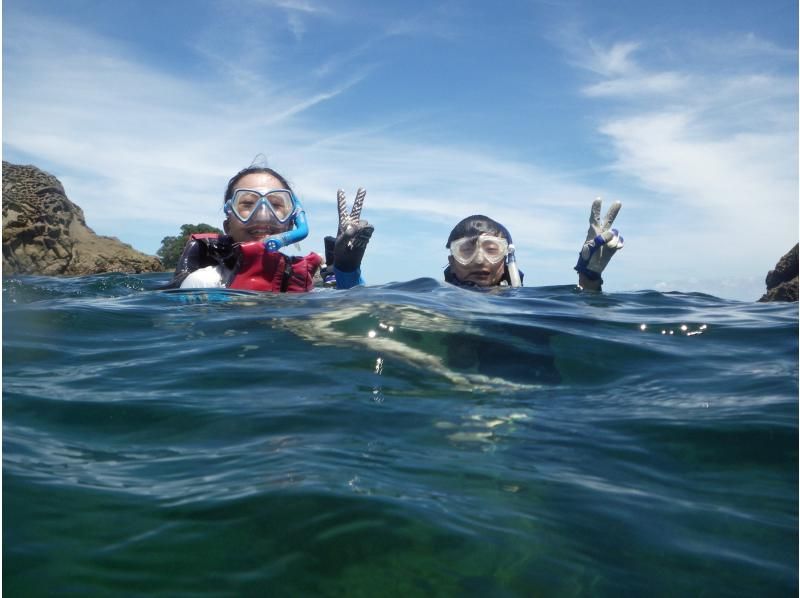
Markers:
point(45, 233)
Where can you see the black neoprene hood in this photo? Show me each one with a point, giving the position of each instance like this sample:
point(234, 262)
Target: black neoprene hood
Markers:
point(475, 225)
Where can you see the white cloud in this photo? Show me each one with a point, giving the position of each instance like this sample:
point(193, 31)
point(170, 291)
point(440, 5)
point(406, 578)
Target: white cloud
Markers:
point(612, 61)
point(143, 151)
point(708, 160)
point(302, 6)
point(673, 154)
point(639, 85)
point(716, 152)
point(741, 46)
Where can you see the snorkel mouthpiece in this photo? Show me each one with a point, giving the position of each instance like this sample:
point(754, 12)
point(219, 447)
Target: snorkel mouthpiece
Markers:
point(297, 234)
point(511, 265)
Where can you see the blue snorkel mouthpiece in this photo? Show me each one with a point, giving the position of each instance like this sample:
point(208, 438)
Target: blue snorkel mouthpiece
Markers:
point(297, 234)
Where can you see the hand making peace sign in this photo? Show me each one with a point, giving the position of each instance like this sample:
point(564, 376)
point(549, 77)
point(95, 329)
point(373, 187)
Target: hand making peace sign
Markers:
point(602, 242)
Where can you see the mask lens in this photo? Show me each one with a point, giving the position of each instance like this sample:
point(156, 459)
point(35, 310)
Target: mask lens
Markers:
point(466, 250)
point(494, 248)
point(281, 204)
point(246, 202)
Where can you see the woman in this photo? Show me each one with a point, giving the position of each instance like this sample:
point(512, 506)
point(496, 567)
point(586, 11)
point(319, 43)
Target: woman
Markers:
point(262, 216)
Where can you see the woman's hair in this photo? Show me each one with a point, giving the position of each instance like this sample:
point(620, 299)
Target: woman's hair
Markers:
point(249, 170)
point(472, 226)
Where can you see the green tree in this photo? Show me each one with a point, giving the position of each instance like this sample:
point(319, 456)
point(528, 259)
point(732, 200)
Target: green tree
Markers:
point(172, 247)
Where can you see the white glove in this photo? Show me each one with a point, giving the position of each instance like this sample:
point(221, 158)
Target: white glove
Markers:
point(602, 242)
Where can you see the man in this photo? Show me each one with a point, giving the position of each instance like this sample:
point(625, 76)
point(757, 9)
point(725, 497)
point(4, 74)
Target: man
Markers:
point(482, 252)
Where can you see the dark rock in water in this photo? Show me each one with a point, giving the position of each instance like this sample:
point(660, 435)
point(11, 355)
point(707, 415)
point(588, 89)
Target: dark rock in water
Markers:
point(782, 281)
point(45, 233)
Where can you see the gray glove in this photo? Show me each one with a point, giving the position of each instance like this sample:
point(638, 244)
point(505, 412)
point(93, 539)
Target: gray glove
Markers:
point(602, 242)
point(352, 236)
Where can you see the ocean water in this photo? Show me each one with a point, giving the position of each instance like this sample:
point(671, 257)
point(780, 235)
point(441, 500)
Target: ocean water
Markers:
point(410, 439)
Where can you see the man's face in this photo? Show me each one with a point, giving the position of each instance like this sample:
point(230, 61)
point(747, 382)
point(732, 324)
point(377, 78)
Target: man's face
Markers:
point(480, 269)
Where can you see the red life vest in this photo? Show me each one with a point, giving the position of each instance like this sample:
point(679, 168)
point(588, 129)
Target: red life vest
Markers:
point(260, 270)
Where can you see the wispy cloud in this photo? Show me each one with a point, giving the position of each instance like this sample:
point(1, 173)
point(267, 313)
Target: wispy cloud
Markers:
point(438, 21)
point(144, 151)
point(612, 61)
point(717, 146)
point(303, 6)
point(639, 85)
point(435, 22)
point(297, 11)
point(705, 158)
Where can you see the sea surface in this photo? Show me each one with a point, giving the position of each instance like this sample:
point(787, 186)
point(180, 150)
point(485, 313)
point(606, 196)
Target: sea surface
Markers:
point(409, 439)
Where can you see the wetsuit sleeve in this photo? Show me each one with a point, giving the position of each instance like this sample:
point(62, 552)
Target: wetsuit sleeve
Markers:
point(347, 280)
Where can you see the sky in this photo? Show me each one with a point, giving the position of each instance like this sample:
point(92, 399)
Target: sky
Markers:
point(525, 111)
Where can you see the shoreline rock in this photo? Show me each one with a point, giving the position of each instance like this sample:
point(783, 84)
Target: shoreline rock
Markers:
point(45, 233)
point(782, 281)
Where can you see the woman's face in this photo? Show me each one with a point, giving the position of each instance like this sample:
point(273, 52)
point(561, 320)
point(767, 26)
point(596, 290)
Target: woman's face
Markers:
point(263, 224)
point(480, 271)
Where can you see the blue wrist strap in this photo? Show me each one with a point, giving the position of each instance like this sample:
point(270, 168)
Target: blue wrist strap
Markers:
point(586, 272)
point(347, 280)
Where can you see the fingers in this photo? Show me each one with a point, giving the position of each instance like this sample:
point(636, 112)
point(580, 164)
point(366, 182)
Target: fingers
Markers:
point(611, 214)
point(358, 203)
point(346, 222)
point(342, 205)
point(362, 237)
point(594, 216)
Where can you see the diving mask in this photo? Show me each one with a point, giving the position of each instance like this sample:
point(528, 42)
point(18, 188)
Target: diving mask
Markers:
point(246, 203)
point(466, 250)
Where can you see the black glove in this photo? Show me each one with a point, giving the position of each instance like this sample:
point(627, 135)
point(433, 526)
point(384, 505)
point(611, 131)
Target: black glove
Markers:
point(352, 237)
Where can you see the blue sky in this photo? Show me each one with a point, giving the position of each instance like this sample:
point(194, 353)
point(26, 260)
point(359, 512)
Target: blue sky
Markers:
point(685, 111)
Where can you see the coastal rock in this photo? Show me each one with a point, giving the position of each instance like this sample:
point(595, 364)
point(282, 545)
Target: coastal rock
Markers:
point(45, 233)
point(782, 281)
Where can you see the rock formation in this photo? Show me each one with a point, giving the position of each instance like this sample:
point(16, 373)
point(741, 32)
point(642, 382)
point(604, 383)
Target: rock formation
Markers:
point(45, 233)
point(782, 281)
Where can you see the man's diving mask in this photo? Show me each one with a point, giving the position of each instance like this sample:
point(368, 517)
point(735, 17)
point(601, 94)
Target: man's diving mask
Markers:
point(467, 249)
point(246, 203)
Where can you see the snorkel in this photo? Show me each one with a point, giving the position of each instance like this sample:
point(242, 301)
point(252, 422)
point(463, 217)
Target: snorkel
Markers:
point(297, 234)
point(511, 266)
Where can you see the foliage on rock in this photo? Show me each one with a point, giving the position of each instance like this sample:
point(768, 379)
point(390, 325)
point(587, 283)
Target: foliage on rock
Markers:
point(172, 247)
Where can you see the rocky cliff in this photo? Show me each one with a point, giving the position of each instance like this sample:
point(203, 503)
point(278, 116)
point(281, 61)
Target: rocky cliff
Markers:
point(782, 281)
point(45, 233)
